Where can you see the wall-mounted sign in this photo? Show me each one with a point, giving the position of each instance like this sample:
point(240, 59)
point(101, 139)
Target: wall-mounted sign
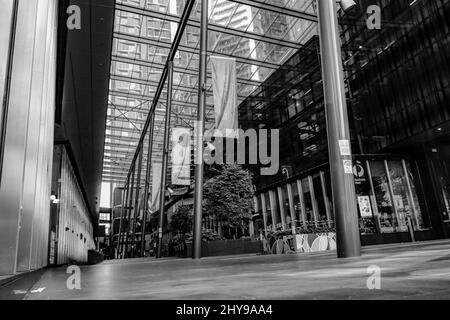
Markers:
point(344, 146)
point(348, 166)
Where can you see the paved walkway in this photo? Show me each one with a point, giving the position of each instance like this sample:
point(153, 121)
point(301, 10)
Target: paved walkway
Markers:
point(411, 271)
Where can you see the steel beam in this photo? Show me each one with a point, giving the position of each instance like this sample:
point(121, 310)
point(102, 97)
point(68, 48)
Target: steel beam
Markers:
point(147, 185)
point(136, 202)
point(211, 26)
point(177, 39)
point(277, 9)
point(165, 160)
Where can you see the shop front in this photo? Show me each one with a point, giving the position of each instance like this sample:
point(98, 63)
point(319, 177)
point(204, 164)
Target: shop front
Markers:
point(389, 195)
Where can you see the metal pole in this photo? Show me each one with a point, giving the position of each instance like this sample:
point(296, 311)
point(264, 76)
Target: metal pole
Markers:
point(125, 205)
point(120, 221)
point(136, 202)
point(342, 181)
point(130, 204)
point(165, 159)
point(198, 193)
point(147, 184)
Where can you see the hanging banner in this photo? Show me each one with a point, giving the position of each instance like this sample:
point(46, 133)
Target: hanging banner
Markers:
point(224, 83)
point(181, 156)
point(153, 205)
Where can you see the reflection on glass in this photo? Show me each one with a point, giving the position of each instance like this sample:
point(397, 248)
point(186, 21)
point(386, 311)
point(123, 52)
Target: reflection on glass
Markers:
point(399, 189)
point(406, 184)
point(297, 203)
point(363, 198)
point(307, 200)
point(383, 197)
point(320, 200)
point(267, 208)
point(287, 212)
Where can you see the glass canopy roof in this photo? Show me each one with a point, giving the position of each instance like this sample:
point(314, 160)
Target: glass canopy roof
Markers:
point(261, 35)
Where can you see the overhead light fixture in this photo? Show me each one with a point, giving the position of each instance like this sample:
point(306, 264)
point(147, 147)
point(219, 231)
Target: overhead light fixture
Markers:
point(347, 5)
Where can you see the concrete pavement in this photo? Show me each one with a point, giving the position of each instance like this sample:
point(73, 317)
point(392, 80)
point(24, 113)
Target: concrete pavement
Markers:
point(408, 271)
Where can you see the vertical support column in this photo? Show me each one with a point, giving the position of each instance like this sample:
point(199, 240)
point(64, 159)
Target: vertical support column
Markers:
point(198, 192)
point(342, 181)
point(292, 208)
point(147, 183)
point(123, 203)
point(136, 202)
point(264, 211)
point(302, 201)
point(325, 198)
point(313, 201)
point(125, 208)
point(281, 205)
point(165, 160)
point(273, 208)
point(130, 194)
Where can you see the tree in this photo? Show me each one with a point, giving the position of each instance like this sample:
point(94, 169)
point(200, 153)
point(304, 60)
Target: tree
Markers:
point(228, 195)
point(182, 220)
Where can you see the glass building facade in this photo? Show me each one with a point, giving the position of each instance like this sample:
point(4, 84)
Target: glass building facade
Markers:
point(397, 85)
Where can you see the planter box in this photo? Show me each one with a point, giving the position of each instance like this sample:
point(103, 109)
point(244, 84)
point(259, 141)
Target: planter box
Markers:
point(95, 257)
point(222, 248)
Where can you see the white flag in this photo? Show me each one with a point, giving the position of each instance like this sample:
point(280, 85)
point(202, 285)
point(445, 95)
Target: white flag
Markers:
point(225, 95)
point(156, 187)
point(181, 156)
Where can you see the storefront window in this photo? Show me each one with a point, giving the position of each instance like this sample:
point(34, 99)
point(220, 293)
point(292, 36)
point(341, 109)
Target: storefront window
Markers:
point(405, 194)
point(259, 221)
point(400, 193)
point(329, 193)
point(307, 200)
point(320, 199)
point(285, 204)
point(267, 208)
point(297, 203)
point(384, 202)
point(275, 210)
point(365, 202)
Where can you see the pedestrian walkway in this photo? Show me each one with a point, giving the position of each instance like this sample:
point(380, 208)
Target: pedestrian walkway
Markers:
point(408, 271)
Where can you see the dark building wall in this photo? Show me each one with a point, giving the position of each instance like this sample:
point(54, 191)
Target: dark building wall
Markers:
point(399, 76)
point(397, 82)
point(84, 59)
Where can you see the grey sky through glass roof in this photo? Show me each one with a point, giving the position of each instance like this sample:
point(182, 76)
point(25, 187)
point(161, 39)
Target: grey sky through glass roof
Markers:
point(260, 35)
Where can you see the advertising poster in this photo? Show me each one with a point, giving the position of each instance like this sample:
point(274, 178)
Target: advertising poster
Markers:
point(364, 206)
